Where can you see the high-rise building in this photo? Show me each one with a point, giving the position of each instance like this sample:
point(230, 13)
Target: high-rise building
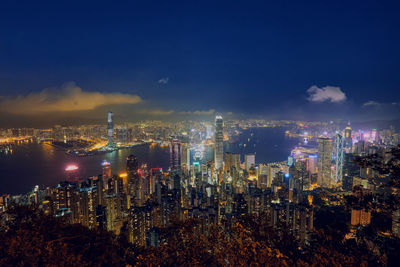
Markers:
point(374, 136)
point(312, 163)
point(338, 158)
point(175, 155)
point(208, 132)
point(231, 160)
point(249, 160)
point(106, 174)
point(110, 128)
point(348, 141)
point(324, 161)
point(132, 164)
point(219, 143)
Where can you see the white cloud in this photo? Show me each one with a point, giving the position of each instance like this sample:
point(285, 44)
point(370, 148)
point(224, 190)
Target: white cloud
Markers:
point(327, 93)
point(156, 112)
point(65, 99)
point(376, 104)
point(162, 112)
point(371, 104)
point(198, 112)
point(163, 80)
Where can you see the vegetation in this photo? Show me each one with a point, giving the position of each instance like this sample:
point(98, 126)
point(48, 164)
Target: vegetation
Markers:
point(33, 239)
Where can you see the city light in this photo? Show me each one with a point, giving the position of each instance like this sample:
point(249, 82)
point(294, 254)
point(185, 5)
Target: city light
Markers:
point(71, 168)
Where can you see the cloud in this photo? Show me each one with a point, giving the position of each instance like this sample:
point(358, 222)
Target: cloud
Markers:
point(198, 112)
point(375, 104)
point(327, 93)
point(161, 112)
point(156, 112)
point(65, 99)
point(163, 80)
point(371, 104)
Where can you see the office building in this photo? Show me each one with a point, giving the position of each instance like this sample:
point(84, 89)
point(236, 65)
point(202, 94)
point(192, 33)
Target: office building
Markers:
point(219, 143)
point(325, 150)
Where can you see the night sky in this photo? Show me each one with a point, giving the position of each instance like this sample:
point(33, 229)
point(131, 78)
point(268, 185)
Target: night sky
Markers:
point(69, 62)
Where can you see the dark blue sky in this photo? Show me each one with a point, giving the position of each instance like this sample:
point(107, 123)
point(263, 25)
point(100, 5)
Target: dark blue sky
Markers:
point(245, 57)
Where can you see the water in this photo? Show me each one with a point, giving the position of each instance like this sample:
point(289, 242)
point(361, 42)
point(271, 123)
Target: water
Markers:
point(268, 144)
point(33, 164)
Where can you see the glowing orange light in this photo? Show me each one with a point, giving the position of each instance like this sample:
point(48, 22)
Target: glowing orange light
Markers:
point(122, 175)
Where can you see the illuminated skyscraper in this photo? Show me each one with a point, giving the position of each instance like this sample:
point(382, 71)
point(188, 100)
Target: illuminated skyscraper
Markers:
point(249, 160)
point(219, 143)
point(175, 155)
point(312, 163)
point(231, 160)
point(106, 174)
point(132, 164)
point(374, 136)
point(208, 132)
point(338, 157)
point(324, 161)
point(348, 142)
point(110, 128)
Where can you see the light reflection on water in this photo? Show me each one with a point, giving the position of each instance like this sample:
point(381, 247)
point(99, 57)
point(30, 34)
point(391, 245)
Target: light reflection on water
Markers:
point(42, 164)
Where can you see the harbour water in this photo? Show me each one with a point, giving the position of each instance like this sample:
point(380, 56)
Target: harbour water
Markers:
point(32, 163)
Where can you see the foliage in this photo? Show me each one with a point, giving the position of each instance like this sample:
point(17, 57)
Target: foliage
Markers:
point(33, 239)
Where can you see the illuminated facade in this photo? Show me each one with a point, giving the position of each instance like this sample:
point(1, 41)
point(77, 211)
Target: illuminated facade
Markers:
point(324, 162)
point(219, 143)
point(106, 174)
point(231, 160)
point(175, 155)
point(338, 157)
point(110, 128)
point(348, 141)
point(249, 160)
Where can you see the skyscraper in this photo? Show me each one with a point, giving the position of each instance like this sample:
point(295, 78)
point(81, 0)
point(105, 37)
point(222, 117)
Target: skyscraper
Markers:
point(338, 157)
point(312, 163)
point(249, 160)
point(324, 161)
point(175, 155)
point(219, 143)
point(110, 128)
point(106, 166)
point(132, 164)
point(348, 142)
point(231, 160)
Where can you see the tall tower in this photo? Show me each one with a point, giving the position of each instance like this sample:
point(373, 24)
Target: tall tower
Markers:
point(175, 155)
point(132, 164)
point(348, 142)
point(324, 161)
point(249, 160)
point(338, 157)
point(219, 143)
point(110, 128)
point(106, 166)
